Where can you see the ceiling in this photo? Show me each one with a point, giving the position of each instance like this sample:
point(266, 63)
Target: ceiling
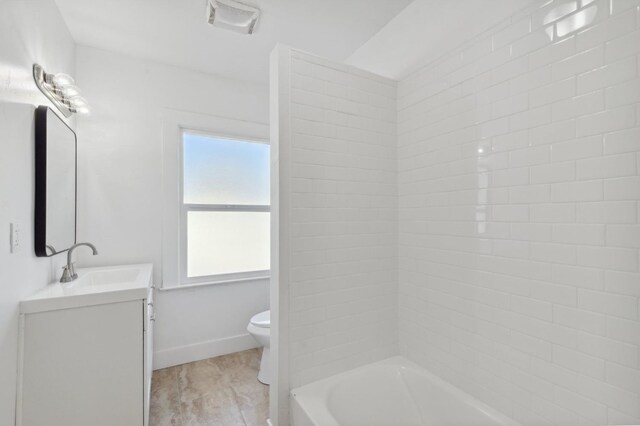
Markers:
point(427, 29)
point(175, 31)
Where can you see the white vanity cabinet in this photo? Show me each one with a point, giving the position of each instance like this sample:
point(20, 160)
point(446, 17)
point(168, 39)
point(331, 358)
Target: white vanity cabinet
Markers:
point(86, 350)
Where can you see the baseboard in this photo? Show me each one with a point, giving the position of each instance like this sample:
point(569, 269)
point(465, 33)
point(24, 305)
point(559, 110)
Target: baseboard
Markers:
point(203, 350)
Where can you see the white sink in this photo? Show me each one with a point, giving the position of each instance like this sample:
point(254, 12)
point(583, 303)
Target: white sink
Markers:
point(116, 276)
point(94, 286)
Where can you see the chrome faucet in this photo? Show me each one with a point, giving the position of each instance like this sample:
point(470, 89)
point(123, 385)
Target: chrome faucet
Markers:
point(69, 270)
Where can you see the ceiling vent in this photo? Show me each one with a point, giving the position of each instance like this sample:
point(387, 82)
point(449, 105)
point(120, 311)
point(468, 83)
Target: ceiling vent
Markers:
point(232, 15)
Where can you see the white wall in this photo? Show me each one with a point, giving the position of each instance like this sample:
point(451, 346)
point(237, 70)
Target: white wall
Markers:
point(519, 233)
point(120, 191)
point(335, 148)
point(30, 31)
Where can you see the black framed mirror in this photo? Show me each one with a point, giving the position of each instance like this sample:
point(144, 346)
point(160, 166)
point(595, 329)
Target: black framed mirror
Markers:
point(56, 182)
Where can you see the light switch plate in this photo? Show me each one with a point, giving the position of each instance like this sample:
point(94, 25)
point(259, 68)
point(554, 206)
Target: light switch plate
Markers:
point(15, 237)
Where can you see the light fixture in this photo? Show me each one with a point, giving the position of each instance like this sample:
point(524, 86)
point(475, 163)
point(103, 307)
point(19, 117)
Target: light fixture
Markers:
point(232, 15)
point(77, 101)
point(62, 79)
point(61, 91)
point(70, 91)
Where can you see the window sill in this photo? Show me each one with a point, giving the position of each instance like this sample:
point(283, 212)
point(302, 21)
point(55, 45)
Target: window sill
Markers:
point(213, 283)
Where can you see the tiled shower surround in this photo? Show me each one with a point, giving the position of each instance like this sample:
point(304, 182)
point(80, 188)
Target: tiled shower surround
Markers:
point(484, 223)
point(343, 218)
point(518, 215)
point(334, 146)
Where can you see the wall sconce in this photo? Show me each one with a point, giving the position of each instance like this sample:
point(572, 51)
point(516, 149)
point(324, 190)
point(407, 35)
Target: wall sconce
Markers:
point(61, 91)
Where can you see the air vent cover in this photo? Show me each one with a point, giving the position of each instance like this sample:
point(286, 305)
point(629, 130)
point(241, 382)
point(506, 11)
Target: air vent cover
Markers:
point(232, 15)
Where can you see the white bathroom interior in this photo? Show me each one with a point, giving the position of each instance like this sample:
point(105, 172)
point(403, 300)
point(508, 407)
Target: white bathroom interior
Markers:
point(305, 212)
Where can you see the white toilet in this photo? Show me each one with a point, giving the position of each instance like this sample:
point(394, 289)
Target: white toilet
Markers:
point(259, 327)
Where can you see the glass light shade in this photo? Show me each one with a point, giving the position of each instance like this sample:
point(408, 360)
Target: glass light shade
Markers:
point(78, 102)
point(62, 79)
point(70, 91)
point(84, 110)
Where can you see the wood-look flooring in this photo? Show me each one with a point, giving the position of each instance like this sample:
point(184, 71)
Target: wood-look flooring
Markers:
point(221, 391)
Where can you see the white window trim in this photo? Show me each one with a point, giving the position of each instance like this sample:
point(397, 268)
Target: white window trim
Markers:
point(175, 124)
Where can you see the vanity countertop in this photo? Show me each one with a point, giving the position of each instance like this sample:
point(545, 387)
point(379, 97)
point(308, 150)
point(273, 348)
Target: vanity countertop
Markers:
point(94, 286)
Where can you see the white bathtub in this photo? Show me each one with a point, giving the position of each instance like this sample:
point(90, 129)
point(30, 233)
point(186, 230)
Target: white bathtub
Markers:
point(393, 392)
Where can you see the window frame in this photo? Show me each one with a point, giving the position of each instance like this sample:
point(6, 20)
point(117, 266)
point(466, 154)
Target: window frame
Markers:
point(174, 124)
point(185, 208)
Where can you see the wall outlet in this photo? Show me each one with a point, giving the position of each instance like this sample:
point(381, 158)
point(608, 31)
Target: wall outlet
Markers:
point(14, 237)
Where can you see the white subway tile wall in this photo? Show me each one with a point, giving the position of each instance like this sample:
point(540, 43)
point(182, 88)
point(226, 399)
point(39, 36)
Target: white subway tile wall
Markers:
point(519, 214)
point(343, 213)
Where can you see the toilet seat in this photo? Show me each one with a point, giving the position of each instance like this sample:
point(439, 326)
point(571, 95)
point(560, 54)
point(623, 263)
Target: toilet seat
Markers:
point(262, 320)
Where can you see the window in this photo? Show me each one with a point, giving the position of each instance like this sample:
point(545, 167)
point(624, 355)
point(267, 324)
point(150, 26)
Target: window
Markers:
point(225, 219)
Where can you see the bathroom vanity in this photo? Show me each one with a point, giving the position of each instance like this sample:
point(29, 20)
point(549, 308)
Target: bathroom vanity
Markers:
point(86, 350)
point(86, 342)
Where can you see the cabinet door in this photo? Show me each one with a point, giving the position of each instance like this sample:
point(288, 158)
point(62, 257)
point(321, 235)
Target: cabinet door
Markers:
point(84, 366)
point(149, 320)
